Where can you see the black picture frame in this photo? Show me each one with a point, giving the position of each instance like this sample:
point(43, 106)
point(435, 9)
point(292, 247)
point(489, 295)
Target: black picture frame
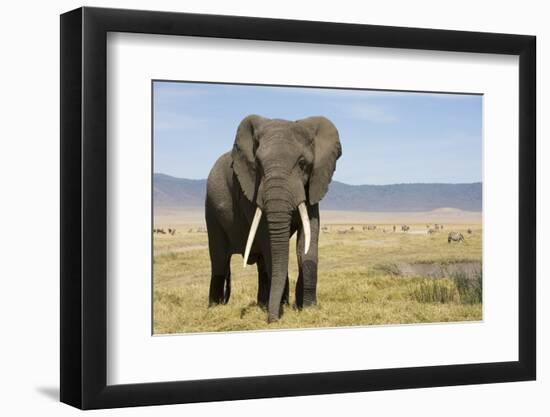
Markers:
point(83, 312)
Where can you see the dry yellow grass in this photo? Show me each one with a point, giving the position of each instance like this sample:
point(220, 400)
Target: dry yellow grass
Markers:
point(357, 282)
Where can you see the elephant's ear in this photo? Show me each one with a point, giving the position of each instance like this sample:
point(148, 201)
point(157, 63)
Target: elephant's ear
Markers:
point(327, 150)
point(243, 154)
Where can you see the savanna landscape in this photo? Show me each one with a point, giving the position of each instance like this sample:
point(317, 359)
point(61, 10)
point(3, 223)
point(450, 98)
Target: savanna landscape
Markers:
point(367, 275)
point(383, 189)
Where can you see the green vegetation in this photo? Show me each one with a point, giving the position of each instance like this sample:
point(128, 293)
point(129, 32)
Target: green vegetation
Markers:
point(435, 291)
point(361, 282)
point(469, 288)
point(459, 288)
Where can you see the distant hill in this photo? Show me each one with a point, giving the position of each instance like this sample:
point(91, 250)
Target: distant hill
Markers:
point(180, 192)
point(402, 197)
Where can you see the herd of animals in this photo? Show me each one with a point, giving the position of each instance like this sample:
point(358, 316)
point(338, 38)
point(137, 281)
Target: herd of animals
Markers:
point(451, 237)
point(163, 232)
point(173, 231)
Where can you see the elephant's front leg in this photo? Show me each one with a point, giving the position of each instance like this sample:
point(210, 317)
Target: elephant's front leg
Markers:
point(306, 285)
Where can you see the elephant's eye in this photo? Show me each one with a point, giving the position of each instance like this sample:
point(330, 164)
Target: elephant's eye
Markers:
point(302, 163)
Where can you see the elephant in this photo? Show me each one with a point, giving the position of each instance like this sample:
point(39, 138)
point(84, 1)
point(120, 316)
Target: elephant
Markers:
point(259, 194)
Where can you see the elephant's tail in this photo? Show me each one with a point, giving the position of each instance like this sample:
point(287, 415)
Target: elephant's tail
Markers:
point(227, 288)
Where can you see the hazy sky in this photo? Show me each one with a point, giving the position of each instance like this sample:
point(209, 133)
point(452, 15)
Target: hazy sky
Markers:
point(387, 137)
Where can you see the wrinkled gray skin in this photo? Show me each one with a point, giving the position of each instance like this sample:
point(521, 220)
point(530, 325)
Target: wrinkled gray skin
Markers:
point(274, 165)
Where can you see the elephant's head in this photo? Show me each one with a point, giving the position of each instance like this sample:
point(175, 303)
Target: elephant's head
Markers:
point(282, 167)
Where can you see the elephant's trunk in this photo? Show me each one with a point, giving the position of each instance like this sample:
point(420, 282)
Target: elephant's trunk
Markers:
point(278, 208)
point(279, 234)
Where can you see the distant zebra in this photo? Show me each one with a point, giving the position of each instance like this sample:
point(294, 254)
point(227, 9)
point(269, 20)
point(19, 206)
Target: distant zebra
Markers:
point(405, 228)
point(455, 237)
point(431, 231)
point(369, 227)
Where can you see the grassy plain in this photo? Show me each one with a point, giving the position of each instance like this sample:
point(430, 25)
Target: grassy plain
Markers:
point(366, 277)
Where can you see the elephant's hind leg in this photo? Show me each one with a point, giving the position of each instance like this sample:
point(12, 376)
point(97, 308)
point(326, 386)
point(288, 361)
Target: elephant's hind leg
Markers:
point(220, 259)
point(227, 282)
point(264, 284)
point(220, 286)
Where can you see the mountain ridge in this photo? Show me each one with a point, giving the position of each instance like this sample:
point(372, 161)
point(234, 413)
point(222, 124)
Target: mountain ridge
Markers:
point(169, 191)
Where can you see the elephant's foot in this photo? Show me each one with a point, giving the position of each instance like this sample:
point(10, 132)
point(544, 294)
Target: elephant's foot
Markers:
point(309, 303)
point(220, 290)
point(305, 300)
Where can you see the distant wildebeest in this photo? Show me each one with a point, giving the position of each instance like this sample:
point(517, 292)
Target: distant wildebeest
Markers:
point(172, 231)
point(394, 227)
point(352, 228)
point(469, 231)
point(436, 226)
point(369, 227)
point(405, 228)
point(441, 226)
point(455, 237)
point(161, 231)
point(431, 231)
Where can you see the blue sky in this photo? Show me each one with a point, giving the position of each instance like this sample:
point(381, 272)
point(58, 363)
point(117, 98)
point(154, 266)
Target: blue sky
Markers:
point(387, 137)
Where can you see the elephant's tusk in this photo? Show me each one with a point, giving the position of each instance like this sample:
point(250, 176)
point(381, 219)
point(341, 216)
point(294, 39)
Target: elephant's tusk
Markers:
point(251, 234)
point(305, 222)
